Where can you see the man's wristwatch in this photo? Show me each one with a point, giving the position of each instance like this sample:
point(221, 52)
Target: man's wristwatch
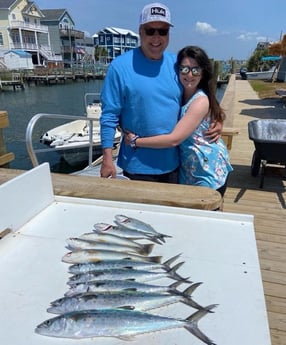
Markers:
point(133, 142)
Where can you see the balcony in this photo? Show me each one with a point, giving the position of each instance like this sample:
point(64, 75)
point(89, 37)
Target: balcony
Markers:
point(70, 33)
point(18, 24)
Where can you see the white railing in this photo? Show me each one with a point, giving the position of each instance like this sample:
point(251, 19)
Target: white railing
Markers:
point(18, 24)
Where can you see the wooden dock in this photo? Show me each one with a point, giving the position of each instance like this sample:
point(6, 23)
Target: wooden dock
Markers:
point(12, 83)
point(268, 205)
point(51, 77)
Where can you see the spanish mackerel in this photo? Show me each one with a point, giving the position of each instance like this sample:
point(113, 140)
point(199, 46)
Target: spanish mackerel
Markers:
point(126, 274)
point(120, 323)
point(112, 264)
point(132, 300)
point(119, 285)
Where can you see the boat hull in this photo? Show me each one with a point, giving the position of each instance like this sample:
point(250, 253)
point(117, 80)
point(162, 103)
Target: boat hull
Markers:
point(264, 75)
point(71, 141)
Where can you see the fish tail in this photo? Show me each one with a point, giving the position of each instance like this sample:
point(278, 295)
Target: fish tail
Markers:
point(154, 239)
point(147, 248)
point(163, 236)
point(191, 324)
point(173, 286)
point(156, 259)
point(168, 263)
point(186, 294)
point(172, 272)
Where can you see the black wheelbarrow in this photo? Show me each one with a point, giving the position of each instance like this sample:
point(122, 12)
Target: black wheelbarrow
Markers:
point(269, 137)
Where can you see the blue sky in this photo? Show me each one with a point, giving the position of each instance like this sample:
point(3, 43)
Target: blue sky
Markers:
point(224, 28)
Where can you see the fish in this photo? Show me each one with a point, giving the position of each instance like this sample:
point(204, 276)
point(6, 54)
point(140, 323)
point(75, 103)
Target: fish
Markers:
point(80, 243)
point(126, 274)
point(136, 224)
point(120, 323)
point(133, 300)
point(92, 255)
point(125, 232)
point(123, 263)
point(111, 238)
point(119, 285)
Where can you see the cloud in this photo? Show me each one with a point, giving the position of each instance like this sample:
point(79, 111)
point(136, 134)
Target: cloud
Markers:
point(205, 28)
point(248, 36)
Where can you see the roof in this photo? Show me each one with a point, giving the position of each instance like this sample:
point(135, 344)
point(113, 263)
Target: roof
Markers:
point(119, 31)
point(5, 4)
point(21, 53)
point(54, 14)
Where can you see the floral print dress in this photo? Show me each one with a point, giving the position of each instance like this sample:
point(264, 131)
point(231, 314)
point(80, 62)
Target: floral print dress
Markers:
point(203, 163)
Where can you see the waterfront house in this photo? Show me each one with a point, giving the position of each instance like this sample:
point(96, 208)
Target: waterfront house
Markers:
point(66, 41)
point(21, 29)
point(115, 41)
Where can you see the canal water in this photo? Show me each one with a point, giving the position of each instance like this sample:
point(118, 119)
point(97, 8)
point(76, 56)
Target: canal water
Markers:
point(22, 105)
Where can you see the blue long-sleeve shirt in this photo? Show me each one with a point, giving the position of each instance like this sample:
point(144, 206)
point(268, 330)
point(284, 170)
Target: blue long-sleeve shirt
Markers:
point(143, 96)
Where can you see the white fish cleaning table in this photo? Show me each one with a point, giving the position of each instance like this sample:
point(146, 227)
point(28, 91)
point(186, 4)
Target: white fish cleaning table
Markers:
point(218, 249)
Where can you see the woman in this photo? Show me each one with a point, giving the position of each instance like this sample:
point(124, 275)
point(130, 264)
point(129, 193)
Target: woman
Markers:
point(202, 162)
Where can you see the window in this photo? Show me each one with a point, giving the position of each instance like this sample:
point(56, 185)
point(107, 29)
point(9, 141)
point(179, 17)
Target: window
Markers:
point(1, 39)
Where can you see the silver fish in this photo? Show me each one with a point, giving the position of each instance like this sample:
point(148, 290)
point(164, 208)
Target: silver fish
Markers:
point(125, 232)
point(133, 300)
point(112, 264)
point(120, 323)
point(111, 238)
point(80, 243)
point(119, 285)
point(136, 224)
point(125, 273)
point(91, 255)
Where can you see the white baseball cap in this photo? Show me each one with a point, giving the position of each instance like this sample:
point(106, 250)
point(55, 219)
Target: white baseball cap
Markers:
point(155, 12)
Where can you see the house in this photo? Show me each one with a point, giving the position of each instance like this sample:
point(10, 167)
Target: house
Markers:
point(111, 42)
point(65, 40)
point(18, 59)
point(21, 29)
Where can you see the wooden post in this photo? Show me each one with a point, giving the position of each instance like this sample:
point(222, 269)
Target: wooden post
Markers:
point(5, 157)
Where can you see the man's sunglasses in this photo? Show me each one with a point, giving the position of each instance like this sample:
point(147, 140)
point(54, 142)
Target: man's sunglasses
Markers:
point(151, 31)
point(196, 71)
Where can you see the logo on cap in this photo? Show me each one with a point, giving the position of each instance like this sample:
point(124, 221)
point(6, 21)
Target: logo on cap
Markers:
point(158, 11)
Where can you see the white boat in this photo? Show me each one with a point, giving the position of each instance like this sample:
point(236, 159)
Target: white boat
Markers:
point(262, 75)
point(71, 140)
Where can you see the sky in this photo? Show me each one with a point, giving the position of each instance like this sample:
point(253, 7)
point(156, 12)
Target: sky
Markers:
point(223, 28)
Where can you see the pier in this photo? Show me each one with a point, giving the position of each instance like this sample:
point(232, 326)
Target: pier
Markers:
point(47, 76)
point(13, 80)
point(50, 77)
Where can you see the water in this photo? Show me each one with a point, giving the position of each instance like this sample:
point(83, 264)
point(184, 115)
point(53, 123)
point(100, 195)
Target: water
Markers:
point(23, 105)
point(56, 99)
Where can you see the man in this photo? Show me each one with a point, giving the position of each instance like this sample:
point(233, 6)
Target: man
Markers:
point(141, 93)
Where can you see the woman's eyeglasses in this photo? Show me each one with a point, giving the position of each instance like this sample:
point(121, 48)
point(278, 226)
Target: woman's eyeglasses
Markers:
point(151, 31)
point(196, 71)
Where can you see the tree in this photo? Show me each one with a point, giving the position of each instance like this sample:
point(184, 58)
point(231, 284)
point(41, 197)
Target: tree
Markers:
point(278, 48)
point(255, 63)
point(100, 52)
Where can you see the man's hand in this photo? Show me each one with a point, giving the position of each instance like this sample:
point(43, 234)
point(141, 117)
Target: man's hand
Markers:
point(128, 136)
point(214, 132)
point(108, 168)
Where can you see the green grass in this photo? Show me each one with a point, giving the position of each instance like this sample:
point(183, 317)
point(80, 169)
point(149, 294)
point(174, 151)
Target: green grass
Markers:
point(266, 89)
